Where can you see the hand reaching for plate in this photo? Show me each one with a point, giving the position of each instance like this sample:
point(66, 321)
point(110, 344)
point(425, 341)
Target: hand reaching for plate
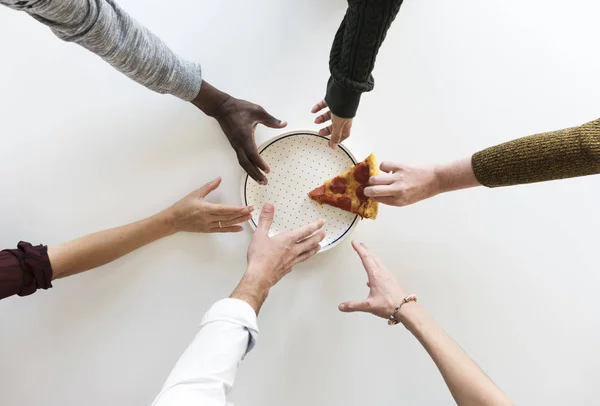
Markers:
point(339, 129)
point(238, 120)
point(271, 258)
point(196, 215)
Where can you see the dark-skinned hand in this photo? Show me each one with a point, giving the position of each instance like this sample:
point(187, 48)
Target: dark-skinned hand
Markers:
point(238, 119)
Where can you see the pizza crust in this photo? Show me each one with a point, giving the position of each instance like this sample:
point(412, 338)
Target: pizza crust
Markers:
point(370, 208)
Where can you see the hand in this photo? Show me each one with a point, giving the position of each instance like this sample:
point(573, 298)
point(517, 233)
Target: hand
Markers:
point(194, 214)
point(404, 184)
point(238, 119)
point(339, 128)
point(271, 258)
point(384, 294)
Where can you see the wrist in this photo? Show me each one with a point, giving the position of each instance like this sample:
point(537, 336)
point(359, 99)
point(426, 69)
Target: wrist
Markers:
point(410, 315)
point(253, 290)
point(455, 175)
point(210, 99)
point(166, 221)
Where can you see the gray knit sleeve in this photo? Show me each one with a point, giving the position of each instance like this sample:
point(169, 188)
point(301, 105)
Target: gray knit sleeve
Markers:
point(104, 28)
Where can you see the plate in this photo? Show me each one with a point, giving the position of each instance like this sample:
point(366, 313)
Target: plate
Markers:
point(300, 161)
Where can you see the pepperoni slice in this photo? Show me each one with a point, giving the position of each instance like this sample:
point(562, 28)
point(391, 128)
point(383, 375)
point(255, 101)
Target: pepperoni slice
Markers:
point(343, 202)
point(318, 192)
point(361, 173)
point(338, 185)
point(360, 193)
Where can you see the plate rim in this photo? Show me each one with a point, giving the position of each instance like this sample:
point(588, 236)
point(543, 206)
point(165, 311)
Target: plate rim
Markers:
point(287, 134)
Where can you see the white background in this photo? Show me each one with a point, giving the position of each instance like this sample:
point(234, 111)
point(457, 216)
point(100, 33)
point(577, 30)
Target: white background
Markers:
point(512, 274)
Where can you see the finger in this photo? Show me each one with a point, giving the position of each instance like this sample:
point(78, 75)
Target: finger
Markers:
point(271, 121)
point(390, 167)
point(231, 222)
point(390, 201)
point(386, 179)
point(209, 187)
point(380, 191)
point(307, 230)
point(326, 131)
point(224, 212)
point(232, 229)
point(250, 168)
point(336, 136)
point(345, 133)
point(254, 156)
point(311, 242)
point(350, 307)
point(308, 254)
point(323, 118)
point(266, 217)
point(367, 259)
point(319, 106)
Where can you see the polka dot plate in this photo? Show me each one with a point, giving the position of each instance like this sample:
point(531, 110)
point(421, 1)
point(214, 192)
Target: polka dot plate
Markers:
point(300, 161)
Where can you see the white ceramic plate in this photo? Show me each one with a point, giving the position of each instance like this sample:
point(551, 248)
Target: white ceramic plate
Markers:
point(300, 161)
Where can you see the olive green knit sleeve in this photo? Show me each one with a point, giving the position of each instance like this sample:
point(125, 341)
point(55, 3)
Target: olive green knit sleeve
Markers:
point(553, 155)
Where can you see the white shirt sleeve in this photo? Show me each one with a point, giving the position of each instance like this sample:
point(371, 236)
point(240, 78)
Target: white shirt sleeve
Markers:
point(205, 373)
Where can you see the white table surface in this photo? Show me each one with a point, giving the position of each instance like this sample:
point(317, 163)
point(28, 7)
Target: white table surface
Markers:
point(512, 274)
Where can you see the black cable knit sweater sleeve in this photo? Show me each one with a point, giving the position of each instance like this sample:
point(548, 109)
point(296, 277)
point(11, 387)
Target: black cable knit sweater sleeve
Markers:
point(354, 50)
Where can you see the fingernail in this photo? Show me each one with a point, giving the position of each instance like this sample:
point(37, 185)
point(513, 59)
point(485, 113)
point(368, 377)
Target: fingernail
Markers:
point(218, 178)
point(268, 207)
point(250, 209)
point(262, 182)
point(322, 221)
point(342, 307)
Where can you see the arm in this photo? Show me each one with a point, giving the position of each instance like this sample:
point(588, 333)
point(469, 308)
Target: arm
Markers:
point(205, 373)
point(561, 154)
point(354, 50)
point(105, 29)
point(351, 61)
point(97, 249)
point(468, 384)
point(28, 268)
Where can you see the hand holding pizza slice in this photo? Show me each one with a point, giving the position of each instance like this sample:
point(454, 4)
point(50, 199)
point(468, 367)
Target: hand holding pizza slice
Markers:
point(346, 191)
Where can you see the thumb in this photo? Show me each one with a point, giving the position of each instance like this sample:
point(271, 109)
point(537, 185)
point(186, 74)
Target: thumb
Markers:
point(272, 122)
point(266, 217)
point(351, 307)
point(209, 187)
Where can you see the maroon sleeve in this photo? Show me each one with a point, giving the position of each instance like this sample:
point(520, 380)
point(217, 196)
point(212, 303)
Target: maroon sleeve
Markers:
point(24, 270)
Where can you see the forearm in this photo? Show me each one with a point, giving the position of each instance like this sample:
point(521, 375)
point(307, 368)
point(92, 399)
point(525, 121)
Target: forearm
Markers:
point(354, 51)
point(468, 384)
point(103, 28)
point(97, 249)
point(567, 153)
point(205, 373)
point(455, 176)
point(252, 290)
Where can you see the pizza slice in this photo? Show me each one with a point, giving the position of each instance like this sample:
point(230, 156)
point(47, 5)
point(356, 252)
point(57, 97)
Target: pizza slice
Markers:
point(346, 191)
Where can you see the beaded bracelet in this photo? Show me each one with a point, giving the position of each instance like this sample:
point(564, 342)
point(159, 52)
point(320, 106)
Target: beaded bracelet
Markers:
point(392, 320)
